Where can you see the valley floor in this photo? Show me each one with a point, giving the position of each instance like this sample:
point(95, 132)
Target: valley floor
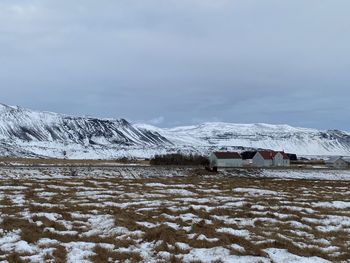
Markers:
point(173, 215)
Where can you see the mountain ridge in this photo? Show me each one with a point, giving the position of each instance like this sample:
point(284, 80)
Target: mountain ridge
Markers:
point(28, 133)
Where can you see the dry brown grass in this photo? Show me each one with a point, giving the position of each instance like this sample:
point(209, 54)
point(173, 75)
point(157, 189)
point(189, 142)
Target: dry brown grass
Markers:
point(103, 255)
point(268, 229)
point(15, 258)
point(106, 255)
point(60, 254)
point(166, 234)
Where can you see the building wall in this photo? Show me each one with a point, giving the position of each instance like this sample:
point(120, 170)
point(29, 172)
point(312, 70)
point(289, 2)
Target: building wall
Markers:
point(247, 162)
point(229, 163)
point(213, 160)
point(286, 162)
point(279, 161)
point(341, 164)
point(338, 164)
point(224, 163)
point(259, 161)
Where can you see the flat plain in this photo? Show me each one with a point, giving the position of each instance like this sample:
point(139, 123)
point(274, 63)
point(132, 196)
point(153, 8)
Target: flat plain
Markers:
point(147, 214)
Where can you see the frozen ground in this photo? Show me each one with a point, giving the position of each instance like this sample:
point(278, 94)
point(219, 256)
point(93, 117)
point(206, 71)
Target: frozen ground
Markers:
point(172, 215)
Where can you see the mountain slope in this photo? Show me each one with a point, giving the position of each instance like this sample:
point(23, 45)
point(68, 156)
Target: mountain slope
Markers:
point(277, 137)
point(28, 133)
point(42, 132)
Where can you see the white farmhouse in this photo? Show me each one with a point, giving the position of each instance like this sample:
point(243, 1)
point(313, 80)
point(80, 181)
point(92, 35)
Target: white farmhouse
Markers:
point(225, 160)
point(263, 159)
point(280, 159)
point(270, 158)
point(338, 162)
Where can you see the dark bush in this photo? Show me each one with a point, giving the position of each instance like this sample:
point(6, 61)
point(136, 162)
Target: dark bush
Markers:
point(125, 160)
point(179, 159)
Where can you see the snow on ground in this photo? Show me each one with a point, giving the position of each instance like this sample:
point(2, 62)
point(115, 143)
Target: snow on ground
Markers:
point(282, 256)
point(334, 204)
point(166, 214)
point(307, 174)
point(253, 191)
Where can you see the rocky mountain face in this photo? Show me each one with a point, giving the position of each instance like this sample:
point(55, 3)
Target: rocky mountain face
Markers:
point(27, 133)
point(32, 133)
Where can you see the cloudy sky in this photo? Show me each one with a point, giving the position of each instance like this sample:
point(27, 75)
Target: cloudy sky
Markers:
point(178, 62)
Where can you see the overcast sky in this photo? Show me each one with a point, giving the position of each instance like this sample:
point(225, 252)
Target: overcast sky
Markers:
point(179, 62)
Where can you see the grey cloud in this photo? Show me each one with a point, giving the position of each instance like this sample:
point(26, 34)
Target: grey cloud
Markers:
point(188, 61)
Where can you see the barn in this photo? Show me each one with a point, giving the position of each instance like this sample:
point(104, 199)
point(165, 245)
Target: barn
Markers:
point(225, 160)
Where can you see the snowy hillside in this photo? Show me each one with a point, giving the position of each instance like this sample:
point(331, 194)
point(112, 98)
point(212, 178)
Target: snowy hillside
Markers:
point(302, 141)
point(28, 133)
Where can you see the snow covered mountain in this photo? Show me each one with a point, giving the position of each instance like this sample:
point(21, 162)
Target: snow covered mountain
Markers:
point(28, 133)
point(302, 141)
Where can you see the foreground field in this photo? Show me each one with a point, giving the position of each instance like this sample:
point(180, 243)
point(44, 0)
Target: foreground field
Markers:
point(120, 215)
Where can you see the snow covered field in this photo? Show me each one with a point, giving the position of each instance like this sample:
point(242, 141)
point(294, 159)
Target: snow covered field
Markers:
point(168, 215)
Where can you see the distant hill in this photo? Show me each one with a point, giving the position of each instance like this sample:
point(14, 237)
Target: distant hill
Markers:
point(27, 133)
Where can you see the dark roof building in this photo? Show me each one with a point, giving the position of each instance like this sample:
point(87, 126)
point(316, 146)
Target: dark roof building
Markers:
point(248, 155)
point(292, 156)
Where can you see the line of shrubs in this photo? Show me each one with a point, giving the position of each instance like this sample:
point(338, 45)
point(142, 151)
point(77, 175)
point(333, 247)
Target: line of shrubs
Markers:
point(179, 159)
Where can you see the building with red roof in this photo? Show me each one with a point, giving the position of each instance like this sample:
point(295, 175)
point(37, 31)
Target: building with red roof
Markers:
point(270, 158)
